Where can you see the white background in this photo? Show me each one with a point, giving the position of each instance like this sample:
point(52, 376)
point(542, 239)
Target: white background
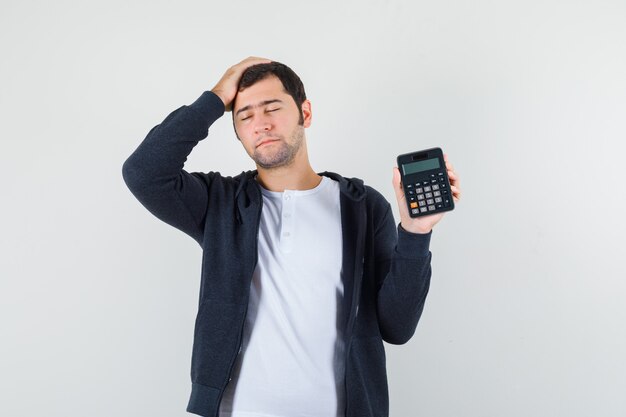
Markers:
point(526, 315)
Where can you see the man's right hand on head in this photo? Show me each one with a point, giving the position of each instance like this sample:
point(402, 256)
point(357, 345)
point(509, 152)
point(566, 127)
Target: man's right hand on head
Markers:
point(226, 88)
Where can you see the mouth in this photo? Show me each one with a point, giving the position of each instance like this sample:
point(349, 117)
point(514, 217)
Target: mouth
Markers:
point(266, 141)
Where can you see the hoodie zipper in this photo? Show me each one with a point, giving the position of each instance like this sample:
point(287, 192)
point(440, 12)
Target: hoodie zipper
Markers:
point(243, 324)
point(356, 296)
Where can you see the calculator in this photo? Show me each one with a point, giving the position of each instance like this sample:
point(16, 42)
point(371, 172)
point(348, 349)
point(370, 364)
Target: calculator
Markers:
point(425, 182)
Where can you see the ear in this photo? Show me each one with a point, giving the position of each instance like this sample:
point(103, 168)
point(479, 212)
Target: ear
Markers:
point(306, 113)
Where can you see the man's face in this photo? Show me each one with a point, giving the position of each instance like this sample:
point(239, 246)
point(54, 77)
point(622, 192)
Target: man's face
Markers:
point(266, 121)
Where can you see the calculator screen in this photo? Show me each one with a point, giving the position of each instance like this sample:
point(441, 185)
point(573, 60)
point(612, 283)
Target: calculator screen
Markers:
point(413, 167)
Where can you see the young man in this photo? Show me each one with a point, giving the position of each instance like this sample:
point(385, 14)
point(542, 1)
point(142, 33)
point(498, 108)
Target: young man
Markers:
point(303, 274)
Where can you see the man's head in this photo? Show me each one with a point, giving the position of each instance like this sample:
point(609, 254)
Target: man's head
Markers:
point(270, 112)
point(289, 79)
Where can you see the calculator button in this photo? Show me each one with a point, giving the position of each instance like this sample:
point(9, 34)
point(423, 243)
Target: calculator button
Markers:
point(409, 186)
point(435, 187)
point(446, 202)
point(415, 211)
point(419, 190)
point(439, 206)
point(412, 198)
point(429, 195)
point(438, 200)
point(423, 209)
point(420, 197)
point(432, 175)
point(430, 201)
point(427, 189)
point(440, 174)
point(433, 181)
point(418, 184)
point(422, 203)
point(414, 204)
point(431, 208)
point(411, 192)
point(443, 185)
point(437, 193)
point(442, 179)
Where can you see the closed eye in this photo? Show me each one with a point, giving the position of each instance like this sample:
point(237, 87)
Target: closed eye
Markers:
point(267, 111)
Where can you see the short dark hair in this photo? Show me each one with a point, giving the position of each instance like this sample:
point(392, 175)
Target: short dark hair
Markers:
point(290, 80)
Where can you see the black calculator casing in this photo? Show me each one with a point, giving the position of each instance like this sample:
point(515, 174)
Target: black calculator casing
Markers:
point(425, 182)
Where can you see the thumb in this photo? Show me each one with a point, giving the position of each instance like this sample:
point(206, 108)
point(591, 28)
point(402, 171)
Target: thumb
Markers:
point(397, 184)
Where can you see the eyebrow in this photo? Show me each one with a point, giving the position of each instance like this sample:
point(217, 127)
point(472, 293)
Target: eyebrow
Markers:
point(261, 104)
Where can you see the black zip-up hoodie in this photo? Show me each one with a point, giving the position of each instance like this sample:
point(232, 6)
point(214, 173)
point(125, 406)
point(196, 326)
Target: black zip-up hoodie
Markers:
point(385, 271)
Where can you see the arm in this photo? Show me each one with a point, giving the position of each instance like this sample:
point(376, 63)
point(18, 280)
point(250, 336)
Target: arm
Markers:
point(403, 291)
point(401, 295)
point(154, 171)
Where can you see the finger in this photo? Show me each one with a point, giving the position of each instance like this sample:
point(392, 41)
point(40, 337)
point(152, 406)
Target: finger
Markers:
point(258, 58)
point(454, 177)
point(456, 191)
point(399, 190)
point(238, 69)
point(253, 60)
point(397, 183)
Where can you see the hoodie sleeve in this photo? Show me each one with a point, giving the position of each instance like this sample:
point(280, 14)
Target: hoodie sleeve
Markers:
point(405, 258)
point(154, 171)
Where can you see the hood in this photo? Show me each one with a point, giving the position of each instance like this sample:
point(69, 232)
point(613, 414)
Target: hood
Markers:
point(352, 188)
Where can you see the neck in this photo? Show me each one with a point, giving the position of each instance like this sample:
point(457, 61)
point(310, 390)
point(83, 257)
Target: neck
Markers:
point(298, 175)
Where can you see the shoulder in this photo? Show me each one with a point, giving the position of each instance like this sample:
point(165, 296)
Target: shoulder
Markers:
point(374, 195)
point(356, 189)
point(377, 205)
point(216, 181)
point(218, 176)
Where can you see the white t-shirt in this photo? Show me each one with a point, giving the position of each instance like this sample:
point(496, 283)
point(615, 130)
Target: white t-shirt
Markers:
point(291, 362)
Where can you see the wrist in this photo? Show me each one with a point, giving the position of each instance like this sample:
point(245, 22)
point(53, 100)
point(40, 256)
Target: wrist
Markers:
point(412, 245)
point(220, 94)
point(416, 229)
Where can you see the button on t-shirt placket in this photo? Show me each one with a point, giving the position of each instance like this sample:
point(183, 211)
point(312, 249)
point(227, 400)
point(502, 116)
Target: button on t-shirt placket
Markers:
point(287, 221)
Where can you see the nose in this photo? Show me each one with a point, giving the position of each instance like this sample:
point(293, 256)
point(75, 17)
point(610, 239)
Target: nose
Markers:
point(262, 125)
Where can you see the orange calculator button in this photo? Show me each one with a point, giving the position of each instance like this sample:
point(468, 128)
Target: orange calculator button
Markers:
point(413, 204)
